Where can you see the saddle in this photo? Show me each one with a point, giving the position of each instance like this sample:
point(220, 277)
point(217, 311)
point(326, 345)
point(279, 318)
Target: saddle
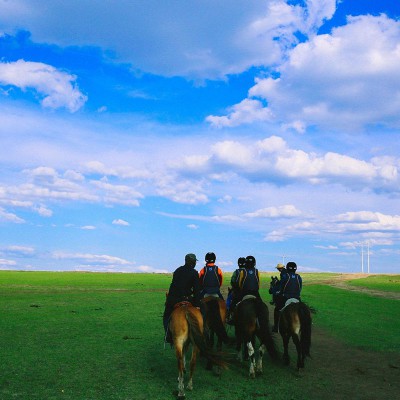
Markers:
point(210, 295)
point(289, 301)
point(182, 304)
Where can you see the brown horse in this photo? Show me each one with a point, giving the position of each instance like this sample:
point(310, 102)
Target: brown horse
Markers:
point(186, 326)
point(214, 313)
point(295, 322)
point(251, 321)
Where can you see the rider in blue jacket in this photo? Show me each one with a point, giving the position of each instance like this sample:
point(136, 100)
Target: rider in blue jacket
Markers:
point(290, 288)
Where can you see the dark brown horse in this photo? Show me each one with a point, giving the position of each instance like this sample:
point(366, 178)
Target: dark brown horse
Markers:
point(295, 322)
point(186, 326)
point(214, 313)
point(251, 322)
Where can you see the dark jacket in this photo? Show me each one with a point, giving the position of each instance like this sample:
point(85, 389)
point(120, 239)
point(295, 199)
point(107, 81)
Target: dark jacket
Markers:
point(210, 279)
point(185, 284)
point(291, 285)
point(249, 281)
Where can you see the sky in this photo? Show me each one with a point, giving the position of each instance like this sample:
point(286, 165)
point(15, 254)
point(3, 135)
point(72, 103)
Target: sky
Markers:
point(135, 132)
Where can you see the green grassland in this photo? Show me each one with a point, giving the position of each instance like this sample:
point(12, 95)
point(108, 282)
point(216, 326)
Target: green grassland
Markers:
point(91, 336)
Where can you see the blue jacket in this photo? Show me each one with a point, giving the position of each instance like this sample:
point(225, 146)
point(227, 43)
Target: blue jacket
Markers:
point(291, 285)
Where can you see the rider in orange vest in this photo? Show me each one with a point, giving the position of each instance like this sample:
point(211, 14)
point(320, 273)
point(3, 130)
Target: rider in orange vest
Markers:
point(210, 277)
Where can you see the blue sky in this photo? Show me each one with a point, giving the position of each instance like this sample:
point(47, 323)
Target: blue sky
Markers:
point(134, 132)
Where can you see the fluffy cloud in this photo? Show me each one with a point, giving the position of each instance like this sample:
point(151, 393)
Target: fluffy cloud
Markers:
point(56, 88)
point(376, 227)
point(349, 78)
point(271, 160)
point(186, 45)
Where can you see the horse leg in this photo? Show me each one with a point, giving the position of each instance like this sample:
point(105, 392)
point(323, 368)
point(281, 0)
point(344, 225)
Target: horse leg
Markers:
point(261, 352)
point(300, 358)
point(192, 367)
point(286, 358)
point(211, 344)
point(180, 358)
point(252, 358)
point(218, 369)
point(239, 347)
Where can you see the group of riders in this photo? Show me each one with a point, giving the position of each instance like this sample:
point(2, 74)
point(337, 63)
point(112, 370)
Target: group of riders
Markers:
point(189, 285)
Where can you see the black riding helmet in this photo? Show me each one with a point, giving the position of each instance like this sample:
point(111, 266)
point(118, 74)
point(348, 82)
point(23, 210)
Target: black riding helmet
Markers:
point(291, 266)
point(210, 257)
point(241, 262)
point(250, 262)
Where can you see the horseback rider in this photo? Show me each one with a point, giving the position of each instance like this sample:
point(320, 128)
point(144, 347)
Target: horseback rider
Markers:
point(210, 277)
point(185, 286)
point(249, 279)
point(290, 287)
point(275, 283)
point(234, 294)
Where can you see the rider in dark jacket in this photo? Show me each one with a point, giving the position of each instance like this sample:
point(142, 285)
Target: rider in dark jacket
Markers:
point(249, 279)
point(290, 288)
point(234, 294)
point(184, 287)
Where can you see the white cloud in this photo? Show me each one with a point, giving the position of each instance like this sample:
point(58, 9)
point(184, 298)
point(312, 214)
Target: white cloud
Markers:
point(120, 222)
point(149, 269)
point(88, 228)
point(247, 111)
point(186, 45)
point(57, 89)
point(90, 259)
point(43, 211)
point(10, 217)
point(18, 251)
point(193, 226)
point(7, 263)
point(285, 211)
point(346, 79)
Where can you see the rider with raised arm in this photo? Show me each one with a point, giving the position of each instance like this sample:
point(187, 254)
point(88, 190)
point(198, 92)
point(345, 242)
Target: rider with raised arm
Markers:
point(290, 288)
point(185, 286)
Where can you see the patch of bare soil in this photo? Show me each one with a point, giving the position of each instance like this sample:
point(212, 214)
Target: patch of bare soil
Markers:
point(354, 373)
point(339, 281)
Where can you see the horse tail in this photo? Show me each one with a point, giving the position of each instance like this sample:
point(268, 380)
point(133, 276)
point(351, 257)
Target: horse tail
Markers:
point(198, 339)
point(265, 333)
point(215, 320)
point(305, 321)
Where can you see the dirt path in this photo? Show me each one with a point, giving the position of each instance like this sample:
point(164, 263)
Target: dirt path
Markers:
point(340, 282)
point(355, 374)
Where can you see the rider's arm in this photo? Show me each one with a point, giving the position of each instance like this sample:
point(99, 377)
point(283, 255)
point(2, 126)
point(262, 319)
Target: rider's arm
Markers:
point(220, 276)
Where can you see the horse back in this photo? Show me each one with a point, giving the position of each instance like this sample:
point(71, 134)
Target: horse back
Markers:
point(295, 317)
point(181, 318)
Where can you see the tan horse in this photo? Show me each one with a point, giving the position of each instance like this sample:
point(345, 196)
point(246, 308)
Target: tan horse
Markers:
point(186, 326)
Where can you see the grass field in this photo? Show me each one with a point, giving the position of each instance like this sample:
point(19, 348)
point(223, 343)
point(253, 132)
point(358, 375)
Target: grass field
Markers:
point(390, 283)
point(86, 336)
